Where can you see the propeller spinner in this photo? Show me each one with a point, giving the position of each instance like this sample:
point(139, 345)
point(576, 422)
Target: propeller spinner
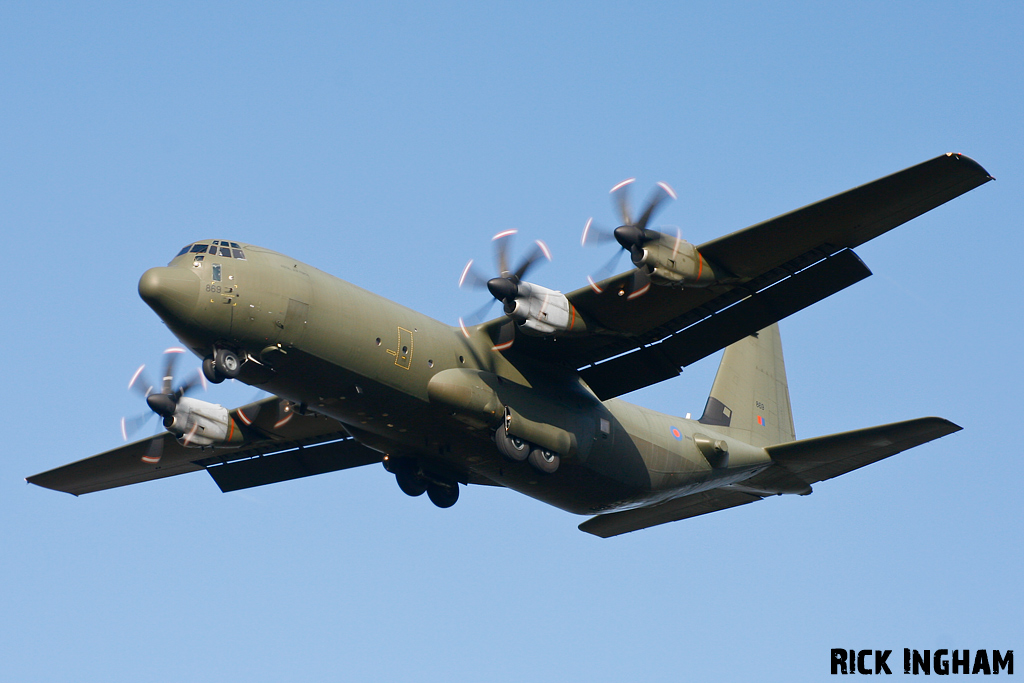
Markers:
point(506, 287)
point(163, 403)
point(631, 235)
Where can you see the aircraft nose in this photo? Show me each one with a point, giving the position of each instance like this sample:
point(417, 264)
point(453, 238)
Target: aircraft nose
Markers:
point(170, 292)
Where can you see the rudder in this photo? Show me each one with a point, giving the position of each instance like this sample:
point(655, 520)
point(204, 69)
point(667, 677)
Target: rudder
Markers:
point(750, 395)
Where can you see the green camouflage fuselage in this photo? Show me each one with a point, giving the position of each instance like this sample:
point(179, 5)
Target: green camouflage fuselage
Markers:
point(410, 386)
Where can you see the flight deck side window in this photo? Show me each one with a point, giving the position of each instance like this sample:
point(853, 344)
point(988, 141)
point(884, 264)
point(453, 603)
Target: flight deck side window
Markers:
point(199, 249)
point(183, 251)
point(237, 253)
point(215, 271)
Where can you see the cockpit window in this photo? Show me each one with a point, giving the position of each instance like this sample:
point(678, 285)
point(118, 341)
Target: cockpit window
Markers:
point(215, 248)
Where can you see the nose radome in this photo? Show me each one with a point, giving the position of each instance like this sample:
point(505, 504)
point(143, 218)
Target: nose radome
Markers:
point(170, 291)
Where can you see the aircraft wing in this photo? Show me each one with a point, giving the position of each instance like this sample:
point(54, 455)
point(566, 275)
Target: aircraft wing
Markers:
point(779, 266)
point(809, 460)
point(279, 445)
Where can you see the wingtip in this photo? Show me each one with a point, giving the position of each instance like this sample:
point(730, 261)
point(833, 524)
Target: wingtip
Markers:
point(978, 167)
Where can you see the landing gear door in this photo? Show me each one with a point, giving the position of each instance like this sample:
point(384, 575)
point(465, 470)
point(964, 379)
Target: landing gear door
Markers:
point(294, 322)
point(285, 303)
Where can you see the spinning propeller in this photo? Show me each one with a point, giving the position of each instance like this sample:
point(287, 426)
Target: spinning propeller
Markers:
point(162, 403)
point(505, 287)
point(632, 235)
point(284, 408)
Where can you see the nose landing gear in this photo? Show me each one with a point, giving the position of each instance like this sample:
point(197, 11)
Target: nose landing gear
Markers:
point(223, 364)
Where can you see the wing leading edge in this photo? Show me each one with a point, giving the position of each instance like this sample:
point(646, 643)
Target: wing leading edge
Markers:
point(277, 448)
point(779, 266)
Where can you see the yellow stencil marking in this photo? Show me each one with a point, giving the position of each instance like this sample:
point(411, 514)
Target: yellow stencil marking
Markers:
point(403, 353)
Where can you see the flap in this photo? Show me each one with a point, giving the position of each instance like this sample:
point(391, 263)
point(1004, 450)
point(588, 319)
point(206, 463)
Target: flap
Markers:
point(292, 464)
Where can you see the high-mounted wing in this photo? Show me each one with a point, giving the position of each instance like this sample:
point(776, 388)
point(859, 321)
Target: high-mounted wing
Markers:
point(775, 268)
point(796, 464)
point(279, 445)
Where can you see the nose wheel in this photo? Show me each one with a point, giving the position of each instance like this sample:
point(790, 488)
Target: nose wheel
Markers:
point(223, 364)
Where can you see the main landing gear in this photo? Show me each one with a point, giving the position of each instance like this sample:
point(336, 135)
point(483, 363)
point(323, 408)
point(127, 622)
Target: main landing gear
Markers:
point(516, 449)
point(223, 364)
point(415, 482)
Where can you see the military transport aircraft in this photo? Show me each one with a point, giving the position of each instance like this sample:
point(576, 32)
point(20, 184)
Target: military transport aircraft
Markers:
point(527, 400)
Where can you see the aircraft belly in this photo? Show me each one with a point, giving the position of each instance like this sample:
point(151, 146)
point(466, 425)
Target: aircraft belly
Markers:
point(370, 365)
point(399, 423)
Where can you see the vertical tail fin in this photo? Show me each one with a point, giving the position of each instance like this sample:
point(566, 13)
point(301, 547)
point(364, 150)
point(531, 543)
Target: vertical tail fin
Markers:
point(750, 397)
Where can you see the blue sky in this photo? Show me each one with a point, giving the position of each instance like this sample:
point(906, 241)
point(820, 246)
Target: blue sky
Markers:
point(386, 145)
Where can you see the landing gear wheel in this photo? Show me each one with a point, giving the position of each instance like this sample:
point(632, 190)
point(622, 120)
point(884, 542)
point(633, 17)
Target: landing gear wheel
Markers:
point(443, 496)
point(210, 371)
point(226, 363)
point(544, 461)
point(410, 484)
point(511, 447)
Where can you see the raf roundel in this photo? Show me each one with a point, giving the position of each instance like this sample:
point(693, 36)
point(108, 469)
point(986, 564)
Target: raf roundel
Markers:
point(676, 434)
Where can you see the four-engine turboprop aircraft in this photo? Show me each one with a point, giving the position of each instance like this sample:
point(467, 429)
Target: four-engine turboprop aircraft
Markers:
point(528, 400)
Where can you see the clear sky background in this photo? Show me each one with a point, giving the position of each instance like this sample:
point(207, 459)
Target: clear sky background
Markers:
point(386, 145)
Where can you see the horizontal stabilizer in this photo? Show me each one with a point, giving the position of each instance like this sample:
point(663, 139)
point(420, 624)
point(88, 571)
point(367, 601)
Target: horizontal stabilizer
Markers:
point(825, 457)
point(615, 523)
point(809, 460)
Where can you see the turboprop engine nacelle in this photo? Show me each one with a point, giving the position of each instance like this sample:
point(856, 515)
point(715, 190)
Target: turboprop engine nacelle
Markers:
point(672, 261)
point(198, 423)
point(544, 311)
